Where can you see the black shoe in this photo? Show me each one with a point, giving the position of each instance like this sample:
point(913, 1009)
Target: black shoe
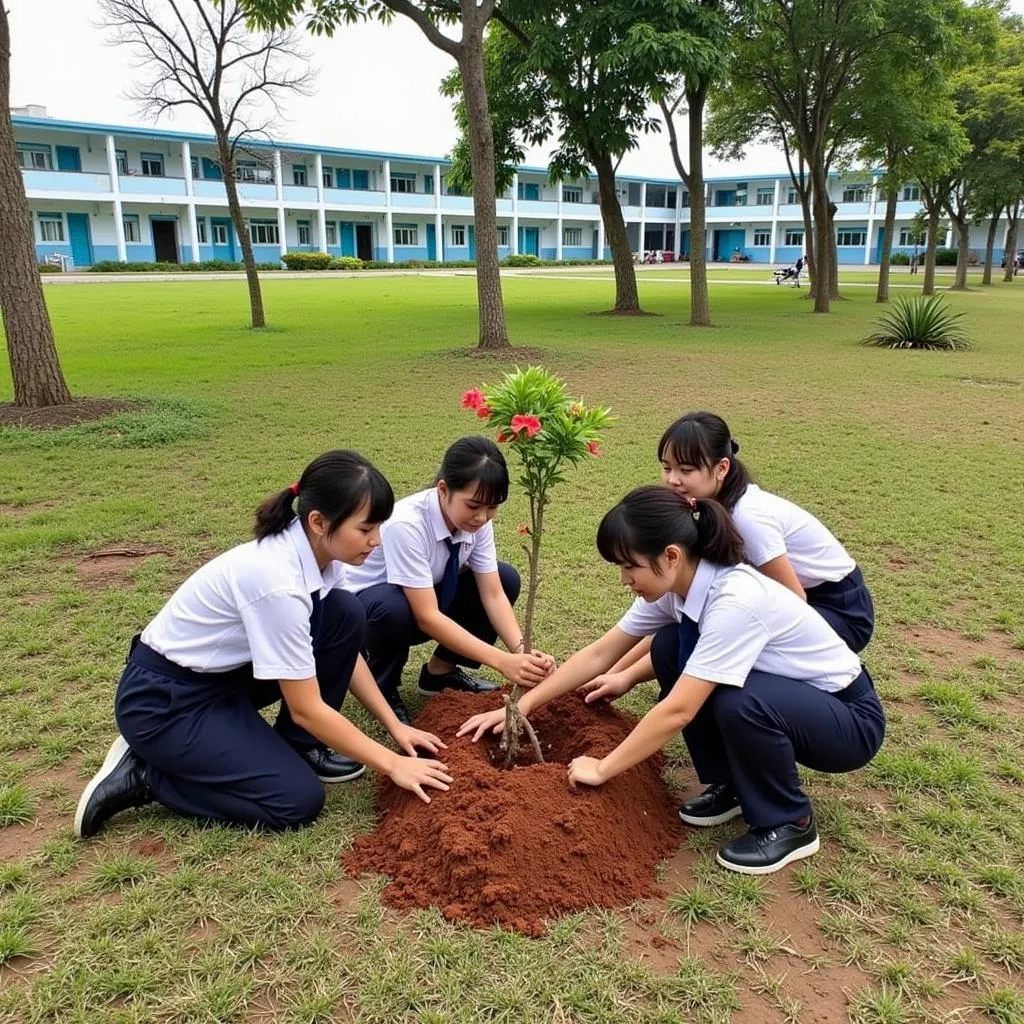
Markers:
point(119, 784)
point(331, 766)
point(454, 680)
point(718, 803)
point(764, 850)
point(399, 708)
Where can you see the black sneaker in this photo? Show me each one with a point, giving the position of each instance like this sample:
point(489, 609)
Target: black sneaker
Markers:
point(718, 803)
point(331, 766)
point(399, 708)
point(764, 850)
point(454, 680)
point(118, 785)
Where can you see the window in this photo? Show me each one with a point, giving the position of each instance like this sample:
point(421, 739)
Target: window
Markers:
point(403, 182)
point(458, 234)
point(852, 236)
point(572, 194)
point(792, 197)
point(529, 190)
point(572, 236)
point(298, 174)
point(854, 193)
point(220, 234)
point(428, 184)
point(794, 236)
point(908, 236)
point(503, 235)
point(195, 166)
point(304, 232)
point(911, 193)
point(51, 227)
point(201, 230)
point(131, 227)
point(407, 234)
point(34, 157)
point(762, 236)
point(765, 197)
point(263, 232)
point(741, 194)
point(686, 200)
point(121, 159)
point(249, 170)
point(328, 178)
point(332, 232)
point(152, 165)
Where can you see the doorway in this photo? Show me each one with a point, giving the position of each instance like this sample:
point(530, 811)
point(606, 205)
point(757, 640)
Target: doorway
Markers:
point(165, 240)
point(364, 241)
point(80, 238)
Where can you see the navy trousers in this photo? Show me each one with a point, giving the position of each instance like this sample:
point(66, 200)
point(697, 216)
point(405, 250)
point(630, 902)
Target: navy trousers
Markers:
point(209, 752)
point(391, 629)
point(754, 735)
point(847, 607)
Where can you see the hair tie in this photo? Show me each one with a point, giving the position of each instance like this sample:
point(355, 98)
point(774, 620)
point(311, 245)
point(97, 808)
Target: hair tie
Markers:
point(734, 445)
point(691, 504)
point(294, 488)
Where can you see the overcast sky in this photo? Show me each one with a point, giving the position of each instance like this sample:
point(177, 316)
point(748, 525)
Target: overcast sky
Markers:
point(376, 89)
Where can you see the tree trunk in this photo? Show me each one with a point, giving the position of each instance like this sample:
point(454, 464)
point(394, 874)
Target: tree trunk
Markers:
point(833, 252)
point(1012, 229)
point(822, 244)
point(627, 299)
point(227, 165)
point(809, 251)
point(700, 307)
point(888, 231)
point(931, 244)
point(35, 367)
point(962, 253)
point(493, 332)
point(990, 244)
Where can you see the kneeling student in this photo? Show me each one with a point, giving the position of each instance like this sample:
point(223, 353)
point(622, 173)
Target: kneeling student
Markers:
point(261, 623)
point(755, 678)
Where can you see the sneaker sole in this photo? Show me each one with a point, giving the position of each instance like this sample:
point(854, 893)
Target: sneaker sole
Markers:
point(718, 819)
point(798, 854)
point(343, 778)
point(115, 755)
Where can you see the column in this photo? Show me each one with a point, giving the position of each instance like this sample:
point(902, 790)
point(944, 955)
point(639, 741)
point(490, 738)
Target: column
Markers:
point(389, 220)
point(515, 214)
point(775, 220)
point(678, 247)
point(115, 188)
point(643, 212)
point(282, 239)
point(438, 221)
point(321, 211)
point(872, 196)
point(193, 228)
point(558, 222)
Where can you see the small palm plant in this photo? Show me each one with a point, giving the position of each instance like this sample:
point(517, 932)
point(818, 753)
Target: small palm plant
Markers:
point(924, 322)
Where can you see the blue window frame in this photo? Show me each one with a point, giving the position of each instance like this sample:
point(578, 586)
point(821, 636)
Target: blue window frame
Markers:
point(361, 180)
point(328, 177)
point(331, 228)
point(152, 165)
point(305, 235)
point(132, 231)
point(51, 227)
point(35, 156)
point(298, 174)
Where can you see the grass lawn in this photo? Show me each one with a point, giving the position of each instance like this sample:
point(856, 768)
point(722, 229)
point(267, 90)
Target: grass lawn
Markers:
point(913, 910)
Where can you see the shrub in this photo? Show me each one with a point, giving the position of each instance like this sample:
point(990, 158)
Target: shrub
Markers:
point(49, 268)
point(923, 322)
point(306, 260)
point(945, 257)
point(346, 263)
point(900, 259)
point(522, 260)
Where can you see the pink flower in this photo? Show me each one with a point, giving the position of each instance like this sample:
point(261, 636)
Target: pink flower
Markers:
point(528, 423)
point(502, 437)
point(484, 411)
point(472, 399)
point(594, 448)
point(523, 530)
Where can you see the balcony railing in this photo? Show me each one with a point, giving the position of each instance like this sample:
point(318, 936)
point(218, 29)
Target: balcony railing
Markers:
point(148, 184)
point(65, 181)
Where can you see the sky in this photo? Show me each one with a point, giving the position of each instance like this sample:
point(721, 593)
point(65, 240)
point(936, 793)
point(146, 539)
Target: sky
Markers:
point(376, 89)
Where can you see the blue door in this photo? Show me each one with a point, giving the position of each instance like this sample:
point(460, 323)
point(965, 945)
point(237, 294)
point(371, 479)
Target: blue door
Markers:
point(68, 158)
point(472, 243)
point(684, 244)
point(725, 197)
point(80, 238)
point(431, 242)
point(223, 238)
point(529, 241)
point(347, 237)
point(726, 243)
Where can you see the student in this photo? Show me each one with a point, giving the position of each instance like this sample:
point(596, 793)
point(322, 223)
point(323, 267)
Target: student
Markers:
point(436, 576)
point(261, 623)
point(756, 680)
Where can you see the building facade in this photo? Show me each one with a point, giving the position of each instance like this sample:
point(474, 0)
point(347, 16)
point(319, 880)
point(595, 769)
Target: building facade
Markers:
point(103, 192)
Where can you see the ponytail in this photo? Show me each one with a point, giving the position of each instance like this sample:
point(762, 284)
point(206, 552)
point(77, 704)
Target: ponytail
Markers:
point(703, 439)
point(337, 484)
point(649, 519)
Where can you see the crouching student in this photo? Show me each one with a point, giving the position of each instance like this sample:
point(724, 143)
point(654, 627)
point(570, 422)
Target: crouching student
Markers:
point(755, 678)
point(264, 622)
point(436, 576)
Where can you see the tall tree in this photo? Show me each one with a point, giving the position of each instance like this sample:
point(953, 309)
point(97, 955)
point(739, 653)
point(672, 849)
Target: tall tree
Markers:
point(200, 54)
point(434, 18)
point(35, 367)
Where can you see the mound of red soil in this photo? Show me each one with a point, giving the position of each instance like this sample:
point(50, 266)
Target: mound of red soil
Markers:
point(518, 847)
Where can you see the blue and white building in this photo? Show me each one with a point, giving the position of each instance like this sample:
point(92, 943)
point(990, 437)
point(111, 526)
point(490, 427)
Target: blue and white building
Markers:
point(107, 192)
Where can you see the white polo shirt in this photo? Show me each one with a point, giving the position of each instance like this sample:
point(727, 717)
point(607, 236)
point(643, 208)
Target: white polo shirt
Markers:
point(413, 552)
point(250, 604)
point(748, 621)
point(772, 526)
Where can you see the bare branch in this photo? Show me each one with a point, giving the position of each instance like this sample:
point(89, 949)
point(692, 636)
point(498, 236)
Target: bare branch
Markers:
point(426, 26)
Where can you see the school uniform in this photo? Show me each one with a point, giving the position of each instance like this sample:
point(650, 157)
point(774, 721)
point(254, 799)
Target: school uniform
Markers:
point(772, 526)
point(788, 689)
point(189, 698)
point(418, 550)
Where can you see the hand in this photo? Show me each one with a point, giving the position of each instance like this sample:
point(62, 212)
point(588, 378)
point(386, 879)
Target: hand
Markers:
point(526, 669)
point(493, 721)
point(409, 739)
point(413, 773)
point(585, 770)
point(608, 686)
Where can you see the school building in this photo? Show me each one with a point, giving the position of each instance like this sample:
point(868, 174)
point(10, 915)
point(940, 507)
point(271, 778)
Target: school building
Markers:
point(109, 192)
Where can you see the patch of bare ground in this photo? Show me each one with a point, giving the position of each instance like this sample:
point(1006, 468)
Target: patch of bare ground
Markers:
point(508, 354)
point(623, 312)
point(897, 560)
point(53, 417)
point(108, 567)
point(943, 646)
point(18, 841)
point(20, 511)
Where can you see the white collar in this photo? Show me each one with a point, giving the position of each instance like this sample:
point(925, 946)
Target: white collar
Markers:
point(697, 596)
point(436, 516)
point(313, 578)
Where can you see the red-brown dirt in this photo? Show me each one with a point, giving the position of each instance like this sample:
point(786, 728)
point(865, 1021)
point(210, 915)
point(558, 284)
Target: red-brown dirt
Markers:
point(518, 847)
